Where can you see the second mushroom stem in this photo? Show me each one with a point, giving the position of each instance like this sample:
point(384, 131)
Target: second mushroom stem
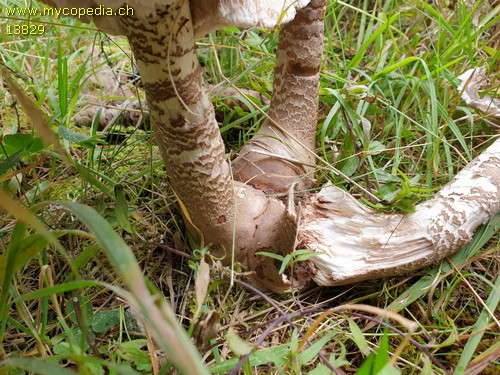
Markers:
point(278, 156)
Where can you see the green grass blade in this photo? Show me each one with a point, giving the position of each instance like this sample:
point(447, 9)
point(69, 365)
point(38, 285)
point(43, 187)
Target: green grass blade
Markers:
point(18, 234)
point(60, 288)
point(479, 328)
point(37, 366)
point(170, 335)
point(62, 80)
point(355, 61)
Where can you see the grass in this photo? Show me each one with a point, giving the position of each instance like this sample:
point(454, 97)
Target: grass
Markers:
point(77, 283)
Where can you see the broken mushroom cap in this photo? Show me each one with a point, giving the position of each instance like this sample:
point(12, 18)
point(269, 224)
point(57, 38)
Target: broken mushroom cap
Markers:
point(211, 15)
point(208, 15)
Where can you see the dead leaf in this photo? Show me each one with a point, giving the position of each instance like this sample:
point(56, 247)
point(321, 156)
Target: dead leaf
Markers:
point(201, 285)
point(207, 327)
point(239, 346)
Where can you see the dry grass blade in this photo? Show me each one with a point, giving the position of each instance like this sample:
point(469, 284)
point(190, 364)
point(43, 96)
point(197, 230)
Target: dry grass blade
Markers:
point(483, 360)
point(35, 114)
